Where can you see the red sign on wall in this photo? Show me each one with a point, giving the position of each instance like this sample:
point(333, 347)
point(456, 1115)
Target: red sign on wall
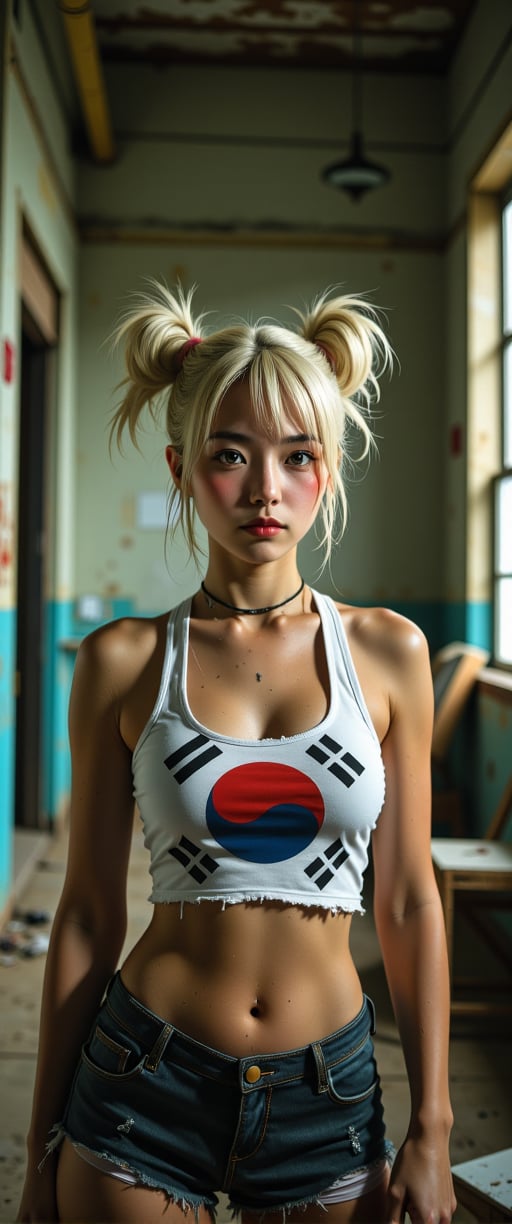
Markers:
point(8, 361)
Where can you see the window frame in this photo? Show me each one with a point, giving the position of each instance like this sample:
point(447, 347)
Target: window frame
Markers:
point(504, 476)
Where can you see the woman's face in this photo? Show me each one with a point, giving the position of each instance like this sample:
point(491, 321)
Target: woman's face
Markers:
point(256, 496)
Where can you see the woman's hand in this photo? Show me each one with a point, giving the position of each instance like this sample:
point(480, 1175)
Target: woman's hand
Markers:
point(39, 1199)
point(421, 1183)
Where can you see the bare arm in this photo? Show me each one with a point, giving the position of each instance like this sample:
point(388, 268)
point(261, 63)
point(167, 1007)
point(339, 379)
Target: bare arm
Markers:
point(410, 927)
point(90, 923)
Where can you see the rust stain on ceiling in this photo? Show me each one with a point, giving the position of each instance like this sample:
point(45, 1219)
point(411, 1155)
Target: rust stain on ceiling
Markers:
point(398, 36)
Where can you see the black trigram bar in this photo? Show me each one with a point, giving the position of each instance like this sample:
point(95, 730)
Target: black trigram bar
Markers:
point(336, 767)
point(185, 851)
point(318, 753)
point(319, 871)
point(197, 762)
point(337, 853)
point(341, 773)
point(352, 763)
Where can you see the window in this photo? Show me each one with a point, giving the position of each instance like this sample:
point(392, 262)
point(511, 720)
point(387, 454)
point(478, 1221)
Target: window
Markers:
point(503, 483)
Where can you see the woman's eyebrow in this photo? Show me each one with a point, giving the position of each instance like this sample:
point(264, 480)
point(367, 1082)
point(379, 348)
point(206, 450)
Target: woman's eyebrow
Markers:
point(233, 436)
point(228, 433)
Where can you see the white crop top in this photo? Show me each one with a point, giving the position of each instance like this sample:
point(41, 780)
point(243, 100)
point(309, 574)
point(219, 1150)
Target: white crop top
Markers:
point(236, 820)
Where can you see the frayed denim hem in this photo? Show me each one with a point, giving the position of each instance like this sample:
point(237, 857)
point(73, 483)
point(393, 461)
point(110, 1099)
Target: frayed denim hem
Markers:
point(259, 1214)
point(57, 1134)
point(388, 1157)
point(390, 1153)
point(192, 1203)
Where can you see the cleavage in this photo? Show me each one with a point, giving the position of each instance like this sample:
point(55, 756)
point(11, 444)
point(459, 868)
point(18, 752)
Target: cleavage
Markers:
point(257, 685)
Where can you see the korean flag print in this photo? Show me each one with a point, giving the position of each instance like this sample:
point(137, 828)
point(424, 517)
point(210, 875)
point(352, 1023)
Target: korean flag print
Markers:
point(233, 820)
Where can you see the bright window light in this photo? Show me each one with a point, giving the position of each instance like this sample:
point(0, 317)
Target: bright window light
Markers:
point(507, 405)
point(504, 621)
point(504, 525)
point(507, 267)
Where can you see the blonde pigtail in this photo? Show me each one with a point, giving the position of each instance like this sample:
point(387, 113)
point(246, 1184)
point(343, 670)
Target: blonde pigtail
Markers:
point(347, 331)
point(156, 334)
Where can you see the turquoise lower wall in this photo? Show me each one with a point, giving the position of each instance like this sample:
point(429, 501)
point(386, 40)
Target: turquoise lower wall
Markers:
point(56, 689)
point(57, 674)
point(7, 670)
point(469, 622)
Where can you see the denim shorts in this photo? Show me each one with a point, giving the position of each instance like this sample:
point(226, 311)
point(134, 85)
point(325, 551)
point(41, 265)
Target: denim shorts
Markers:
point(271, 1131)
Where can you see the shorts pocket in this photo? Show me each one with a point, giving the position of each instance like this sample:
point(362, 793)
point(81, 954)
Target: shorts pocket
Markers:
point(110, 1058)
point(355, 1077)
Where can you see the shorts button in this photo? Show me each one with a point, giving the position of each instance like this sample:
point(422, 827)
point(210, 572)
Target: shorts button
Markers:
point(252, 1075)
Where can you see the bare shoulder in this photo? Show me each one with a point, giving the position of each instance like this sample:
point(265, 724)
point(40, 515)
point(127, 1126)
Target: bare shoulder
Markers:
point(113, 657)
point(385, 635)
point(391, 657)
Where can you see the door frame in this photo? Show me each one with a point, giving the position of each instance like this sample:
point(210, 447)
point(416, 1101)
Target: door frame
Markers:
point(38, 334)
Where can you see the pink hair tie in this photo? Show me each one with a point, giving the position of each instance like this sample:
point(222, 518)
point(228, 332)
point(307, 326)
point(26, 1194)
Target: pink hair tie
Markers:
point(329, 357)
point(185, 350)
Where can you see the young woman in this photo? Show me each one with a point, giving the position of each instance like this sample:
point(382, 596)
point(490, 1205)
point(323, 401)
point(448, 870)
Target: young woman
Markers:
point(267, 733)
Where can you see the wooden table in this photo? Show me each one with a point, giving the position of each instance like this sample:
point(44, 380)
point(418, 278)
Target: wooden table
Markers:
point(484, 1186)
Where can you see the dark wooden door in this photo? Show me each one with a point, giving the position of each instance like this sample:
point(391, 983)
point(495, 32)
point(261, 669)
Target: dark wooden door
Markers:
point(30, 596)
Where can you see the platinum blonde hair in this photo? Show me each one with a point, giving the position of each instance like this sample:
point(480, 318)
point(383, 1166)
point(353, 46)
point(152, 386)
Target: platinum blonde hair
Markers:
point(323, 375)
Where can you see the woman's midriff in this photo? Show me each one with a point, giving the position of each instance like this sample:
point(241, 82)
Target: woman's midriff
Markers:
point(252, 977)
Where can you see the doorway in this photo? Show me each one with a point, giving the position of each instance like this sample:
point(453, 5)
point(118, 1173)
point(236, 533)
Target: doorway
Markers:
point(32, 536)
point(39, 314)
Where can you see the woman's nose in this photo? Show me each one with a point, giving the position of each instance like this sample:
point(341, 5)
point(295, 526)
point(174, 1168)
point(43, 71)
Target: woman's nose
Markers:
point(265, 483)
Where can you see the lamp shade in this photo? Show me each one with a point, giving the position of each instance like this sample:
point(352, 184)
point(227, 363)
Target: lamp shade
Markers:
point(356, 174)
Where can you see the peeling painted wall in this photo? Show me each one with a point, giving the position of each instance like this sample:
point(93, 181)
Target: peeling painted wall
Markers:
point(37, 188)
point(406, 542)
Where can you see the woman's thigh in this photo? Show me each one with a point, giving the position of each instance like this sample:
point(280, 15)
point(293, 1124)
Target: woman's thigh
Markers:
point(85, 1195)
point(372, 1208)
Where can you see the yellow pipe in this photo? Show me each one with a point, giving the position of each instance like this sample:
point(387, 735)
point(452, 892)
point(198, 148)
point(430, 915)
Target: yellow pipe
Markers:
point(81, 33)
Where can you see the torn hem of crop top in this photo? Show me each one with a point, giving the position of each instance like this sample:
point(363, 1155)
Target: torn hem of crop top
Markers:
point(350, 906)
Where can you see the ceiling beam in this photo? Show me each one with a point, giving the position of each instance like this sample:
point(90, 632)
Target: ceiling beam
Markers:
point(83, 46)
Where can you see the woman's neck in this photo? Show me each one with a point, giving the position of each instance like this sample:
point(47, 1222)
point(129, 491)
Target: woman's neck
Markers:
point(254, 592)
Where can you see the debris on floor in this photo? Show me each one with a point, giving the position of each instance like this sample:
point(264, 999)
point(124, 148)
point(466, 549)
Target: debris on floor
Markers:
point(23, 937)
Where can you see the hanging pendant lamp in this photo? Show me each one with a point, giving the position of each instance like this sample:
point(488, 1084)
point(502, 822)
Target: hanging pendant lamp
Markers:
point(356, 174)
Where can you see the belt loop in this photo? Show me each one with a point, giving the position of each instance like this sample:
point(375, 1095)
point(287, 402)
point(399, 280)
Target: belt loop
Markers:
point(322, 1082)
point(373, 1018)
point(159, 1047)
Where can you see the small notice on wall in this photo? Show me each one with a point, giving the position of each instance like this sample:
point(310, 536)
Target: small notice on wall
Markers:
point(152, 511)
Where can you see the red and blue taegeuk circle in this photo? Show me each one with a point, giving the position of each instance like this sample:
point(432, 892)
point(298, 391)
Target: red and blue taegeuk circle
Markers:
point(264, 812)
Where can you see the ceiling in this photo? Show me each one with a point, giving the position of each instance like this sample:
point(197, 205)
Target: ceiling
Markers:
point(397, 36)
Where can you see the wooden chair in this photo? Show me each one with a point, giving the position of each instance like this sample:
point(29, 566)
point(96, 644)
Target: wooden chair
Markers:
point(475, 876)
point(454, 671)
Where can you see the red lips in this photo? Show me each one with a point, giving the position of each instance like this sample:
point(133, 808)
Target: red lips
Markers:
point(264, 527)
point(263, 522)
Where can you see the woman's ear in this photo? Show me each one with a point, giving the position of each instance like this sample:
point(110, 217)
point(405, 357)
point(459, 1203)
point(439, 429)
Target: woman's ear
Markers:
point(175, 464)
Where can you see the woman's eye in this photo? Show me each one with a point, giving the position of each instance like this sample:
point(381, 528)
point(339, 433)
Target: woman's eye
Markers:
point(230, 457)
point(301, 458)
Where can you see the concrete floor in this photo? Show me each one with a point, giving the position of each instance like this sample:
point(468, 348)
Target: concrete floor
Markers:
point(481, 1072)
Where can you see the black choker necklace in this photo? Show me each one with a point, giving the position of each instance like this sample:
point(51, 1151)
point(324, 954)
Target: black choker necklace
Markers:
point(214, 599)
